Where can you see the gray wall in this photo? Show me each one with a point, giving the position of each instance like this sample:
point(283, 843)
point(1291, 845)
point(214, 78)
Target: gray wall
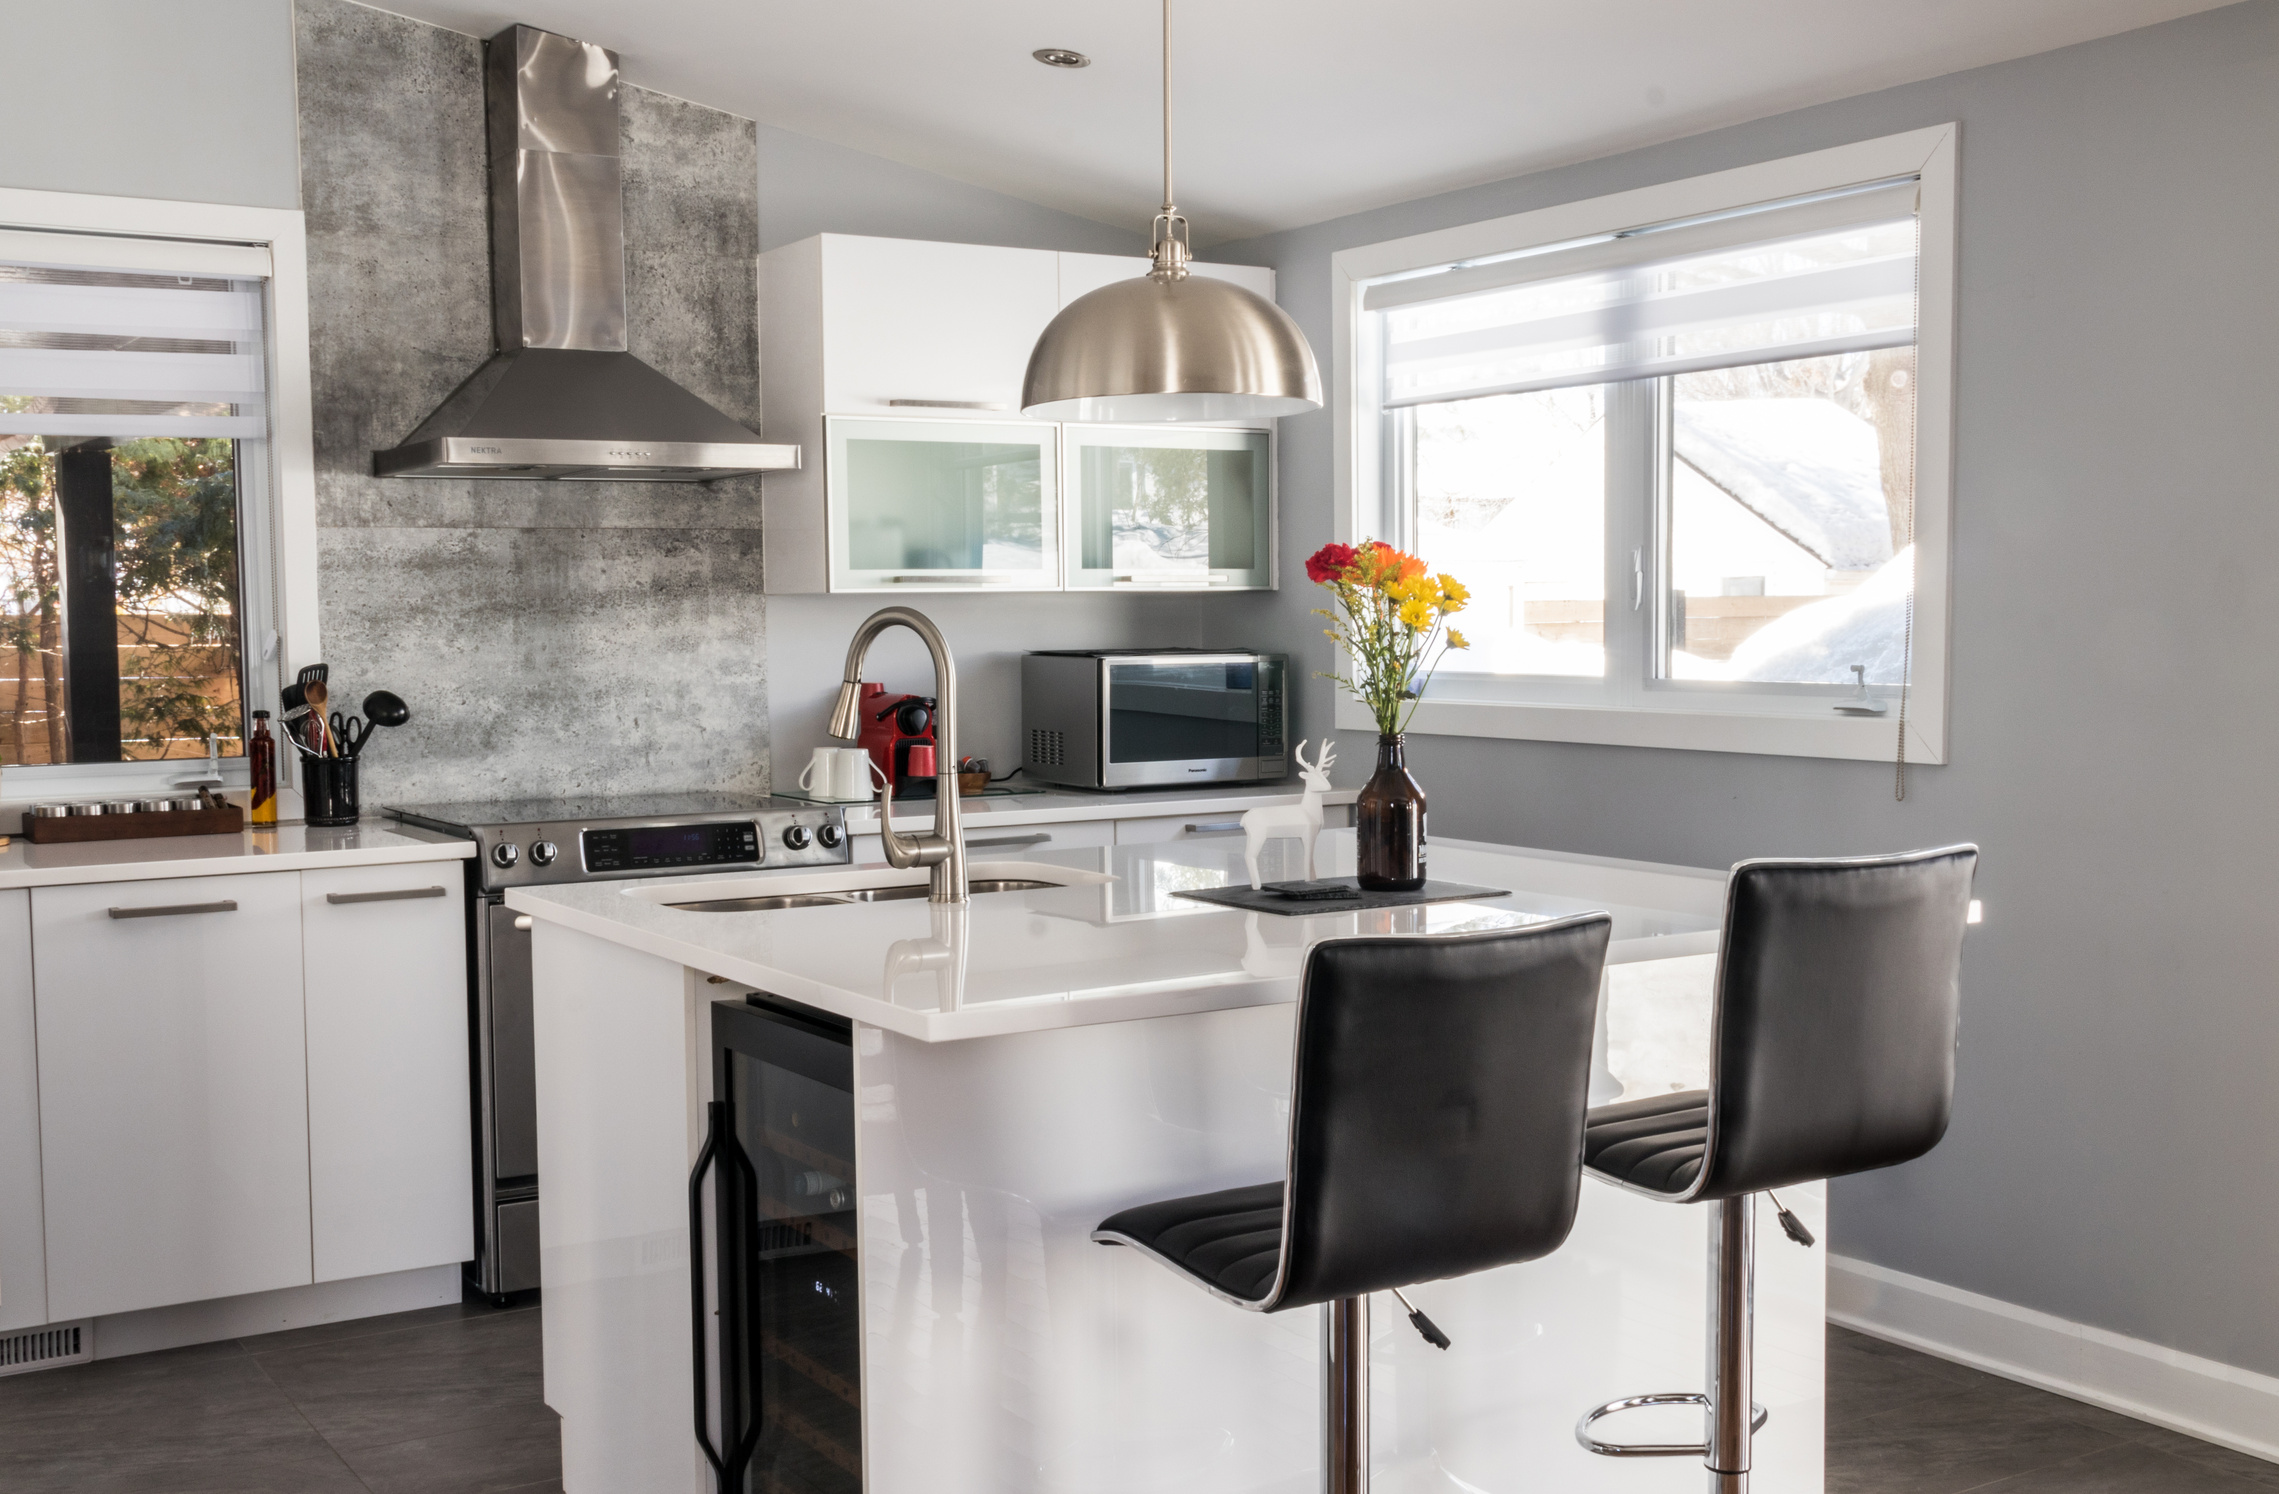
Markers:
point(2112, 697)
point(151, 98)
point(551, 639)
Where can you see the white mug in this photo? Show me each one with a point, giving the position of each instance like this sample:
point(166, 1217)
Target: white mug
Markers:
point(855, 773)
point(820, 775)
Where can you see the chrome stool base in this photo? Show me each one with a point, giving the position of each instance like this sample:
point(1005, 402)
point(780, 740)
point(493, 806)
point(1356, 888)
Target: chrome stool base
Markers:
point(1757, 1419)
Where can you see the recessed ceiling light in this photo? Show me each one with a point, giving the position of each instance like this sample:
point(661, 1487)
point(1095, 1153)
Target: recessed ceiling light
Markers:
point(1060, 57)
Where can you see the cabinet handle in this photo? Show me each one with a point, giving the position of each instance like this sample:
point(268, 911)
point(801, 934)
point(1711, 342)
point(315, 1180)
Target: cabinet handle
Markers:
point(226, 905)
point(946, 404)
point(1007, 840)
point(952, 580)
point(382, 897)
point(1215, 827)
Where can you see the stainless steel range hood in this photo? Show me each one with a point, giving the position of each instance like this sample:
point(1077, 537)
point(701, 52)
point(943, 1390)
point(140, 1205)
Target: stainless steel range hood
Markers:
point(562, 398)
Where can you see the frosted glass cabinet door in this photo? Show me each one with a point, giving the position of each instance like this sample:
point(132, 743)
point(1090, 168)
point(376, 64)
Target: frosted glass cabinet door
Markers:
point(940, 505)
point(1170, 506)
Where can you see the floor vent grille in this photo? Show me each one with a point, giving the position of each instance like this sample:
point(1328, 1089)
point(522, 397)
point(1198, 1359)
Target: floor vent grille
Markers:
point(45, 1348)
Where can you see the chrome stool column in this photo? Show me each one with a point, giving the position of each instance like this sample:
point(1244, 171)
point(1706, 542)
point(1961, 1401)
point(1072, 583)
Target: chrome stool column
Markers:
point(1837, 1007)
point(1436, 1129)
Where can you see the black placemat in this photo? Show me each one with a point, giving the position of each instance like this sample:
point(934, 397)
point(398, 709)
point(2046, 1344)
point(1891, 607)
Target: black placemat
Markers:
point(1268, 901)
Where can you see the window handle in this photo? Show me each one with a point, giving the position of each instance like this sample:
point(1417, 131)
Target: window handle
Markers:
point(1637, 577)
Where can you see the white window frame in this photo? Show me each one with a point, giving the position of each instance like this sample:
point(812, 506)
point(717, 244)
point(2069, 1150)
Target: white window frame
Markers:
point(1529, 708)
point(277, 530)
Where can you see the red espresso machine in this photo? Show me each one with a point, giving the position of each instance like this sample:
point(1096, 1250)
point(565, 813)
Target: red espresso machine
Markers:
point(898, 732)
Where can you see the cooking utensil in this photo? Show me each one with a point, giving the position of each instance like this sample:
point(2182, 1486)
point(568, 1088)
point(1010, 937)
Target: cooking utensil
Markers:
point(386, 708)
point(381, 708)
point(318, 699)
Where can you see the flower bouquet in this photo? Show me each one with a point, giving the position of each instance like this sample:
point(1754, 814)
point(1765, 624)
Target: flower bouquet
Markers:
point(1391, 619)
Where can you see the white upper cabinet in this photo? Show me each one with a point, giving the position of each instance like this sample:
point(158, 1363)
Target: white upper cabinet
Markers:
point(863, 342)
point(173, 1091)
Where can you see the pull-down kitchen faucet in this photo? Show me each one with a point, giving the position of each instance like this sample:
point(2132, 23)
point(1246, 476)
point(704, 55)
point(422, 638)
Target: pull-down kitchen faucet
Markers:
point(944, 848)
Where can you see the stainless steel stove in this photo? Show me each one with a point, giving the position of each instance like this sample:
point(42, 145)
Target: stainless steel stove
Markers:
point(541, 842)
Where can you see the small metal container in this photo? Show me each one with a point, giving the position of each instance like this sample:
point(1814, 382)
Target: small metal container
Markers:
point(78, 810)
point(153, 806)
point(120, 806)
point(49, 811)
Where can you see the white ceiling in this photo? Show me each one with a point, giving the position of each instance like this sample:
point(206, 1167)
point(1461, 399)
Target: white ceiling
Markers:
point(1288, 111)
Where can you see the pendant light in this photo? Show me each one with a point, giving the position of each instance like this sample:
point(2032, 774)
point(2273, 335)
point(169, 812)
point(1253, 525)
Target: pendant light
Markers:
point(1170, 345)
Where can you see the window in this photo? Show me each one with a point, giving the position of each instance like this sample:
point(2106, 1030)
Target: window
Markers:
point(1685, 445)
point(141, 611)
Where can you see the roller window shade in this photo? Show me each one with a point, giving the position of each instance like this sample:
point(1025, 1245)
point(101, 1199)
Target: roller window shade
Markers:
point(123, 337)
point(1831, 274)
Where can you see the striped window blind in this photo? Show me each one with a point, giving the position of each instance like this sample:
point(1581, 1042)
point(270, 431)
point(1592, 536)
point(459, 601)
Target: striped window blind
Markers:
point(113, 336)
point(1833, 273)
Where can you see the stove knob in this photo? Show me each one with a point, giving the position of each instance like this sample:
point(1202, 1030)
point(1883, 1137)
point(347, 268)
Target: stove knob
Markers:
point(543, 853)
point(829, 836)
point(796, 837)
point(505, 853)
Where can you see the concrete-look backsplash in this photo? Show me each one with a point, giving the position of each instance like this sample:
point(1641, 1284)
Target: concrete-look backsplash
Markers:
point(551, 638)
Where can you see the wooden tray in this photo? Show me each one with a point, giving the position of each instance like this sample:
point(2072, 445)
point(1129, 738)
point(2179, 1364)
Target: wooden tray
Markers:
point(226, 819)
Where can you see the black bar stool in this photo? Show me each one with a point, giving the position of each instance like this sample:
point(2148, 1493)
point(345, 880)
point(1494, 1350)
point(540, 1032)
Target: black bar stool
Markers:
point(1436, 1129)
point(1834, 1053)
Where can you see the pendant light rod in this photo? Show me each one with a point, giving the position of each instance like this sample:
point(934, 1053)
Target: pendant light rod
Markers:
point(1167, 198)
point(1168, 243)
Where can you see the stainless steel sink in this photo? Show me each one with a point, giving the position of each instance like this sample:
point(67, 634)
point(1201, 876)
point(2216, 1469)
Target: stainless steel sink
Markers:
point(774, 901)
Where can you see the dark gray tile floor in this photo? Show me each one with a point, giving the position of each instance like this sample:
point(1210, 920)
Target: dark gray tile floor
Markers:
point(446, 1401)
point(441, 1401)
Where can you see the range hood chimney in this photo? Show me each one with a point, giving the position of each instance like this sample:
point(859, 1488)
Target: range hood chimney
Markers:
point(562, 398)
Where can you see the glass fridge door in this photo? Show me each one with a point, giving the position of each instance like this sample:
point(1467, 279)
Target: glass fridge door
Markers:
point(1170, 506)
point(788, 1350)
point(942, 505)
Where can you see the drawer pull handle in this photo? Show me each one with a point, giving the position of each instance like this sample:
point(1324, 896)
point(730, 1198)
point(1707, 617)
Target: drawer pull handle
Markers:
point(946, 404)
point(522, 923)
point(1007, 840)
point(1215, 827)
point(396, 895)
point(226, 905)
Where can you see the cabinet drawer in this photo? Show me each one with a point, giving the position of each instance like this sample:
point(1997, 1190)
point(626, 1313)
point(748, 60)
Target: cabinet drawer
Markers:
point(173, 1090)
point(1214, 825)
point(1009, 843)
point(385, 957)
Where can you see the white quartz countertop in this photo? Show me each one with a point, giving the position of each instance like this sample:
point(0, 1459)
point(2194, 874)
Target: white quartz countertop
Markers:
point(286, 848)
point(1065, 806)
point(1121, 947)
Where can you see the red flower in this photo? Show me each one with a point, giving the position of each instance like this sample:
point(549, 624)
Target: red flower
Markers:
point(1329, 563)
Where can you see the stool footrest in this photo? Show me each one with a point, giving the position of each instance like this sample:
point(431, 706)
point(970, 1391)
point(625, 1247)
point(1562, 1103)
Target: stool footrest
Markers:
point(1654, 1449)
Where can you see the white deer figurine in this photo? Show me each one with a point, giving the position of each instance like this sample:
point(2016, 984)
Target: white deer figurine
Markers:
point(1301, 821)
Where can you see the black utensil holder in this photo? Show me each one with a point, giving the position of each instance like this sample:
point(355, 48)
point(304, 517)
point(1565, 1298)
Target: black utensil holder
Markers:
point(328, 790)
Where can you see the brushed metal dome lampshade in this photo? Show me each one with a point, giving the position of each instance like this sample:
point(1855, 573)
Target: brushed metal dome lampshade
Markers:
point(1170, 345)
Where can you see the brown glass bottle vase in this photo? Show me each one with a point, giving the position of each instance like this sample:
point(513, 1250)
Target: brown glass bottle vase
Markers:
point(1388, 823)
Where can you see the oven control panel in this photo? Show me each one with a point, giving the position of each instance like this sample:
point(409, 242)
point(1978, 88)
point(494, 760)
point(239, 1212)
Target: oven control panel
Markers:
point(630, 851)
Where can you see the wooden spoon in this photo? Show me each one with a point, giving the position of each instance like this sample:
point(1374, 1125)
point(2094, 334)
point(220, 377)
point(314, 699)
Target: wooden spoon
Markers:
point(316, 695)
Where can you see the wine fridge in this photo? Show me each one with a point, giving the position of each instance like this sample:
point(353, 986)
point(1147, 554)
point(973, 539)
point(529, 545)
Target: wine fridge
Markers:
point(772, 1243)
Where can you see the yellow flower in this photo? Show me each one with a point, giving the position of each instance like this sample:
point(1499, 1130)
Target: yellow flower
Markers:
point(1456, 639)
point(1416, 614)
point(1453, 594)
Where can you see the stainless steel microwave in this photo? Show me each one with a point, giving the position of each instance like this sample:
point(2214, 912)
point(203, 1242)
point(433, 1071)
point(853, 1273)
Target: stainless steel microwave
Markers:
point(1151, 718)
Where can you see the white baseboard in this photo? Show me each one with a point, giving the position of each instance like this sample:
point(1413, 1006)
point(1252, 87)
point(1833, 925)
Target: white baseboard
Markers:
point(273, 1312)
point(2202, 1398)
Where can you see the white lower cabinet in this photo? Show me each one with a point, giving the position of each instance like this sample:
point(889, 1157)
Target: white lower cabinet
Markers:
point(1202, 825)
point(173, 1094)
point(384, 953)
point(23, 1247)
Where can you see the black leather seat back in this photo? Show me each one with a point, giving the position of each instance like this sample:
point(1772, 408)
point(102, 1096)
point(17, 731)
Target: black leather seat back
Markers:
point(1837, 1006)
point(1437, 1103)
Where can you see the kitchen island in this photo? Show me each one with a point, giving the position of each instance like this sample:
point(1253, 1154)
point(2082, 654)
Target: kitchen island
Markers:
point(1018, 1069)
